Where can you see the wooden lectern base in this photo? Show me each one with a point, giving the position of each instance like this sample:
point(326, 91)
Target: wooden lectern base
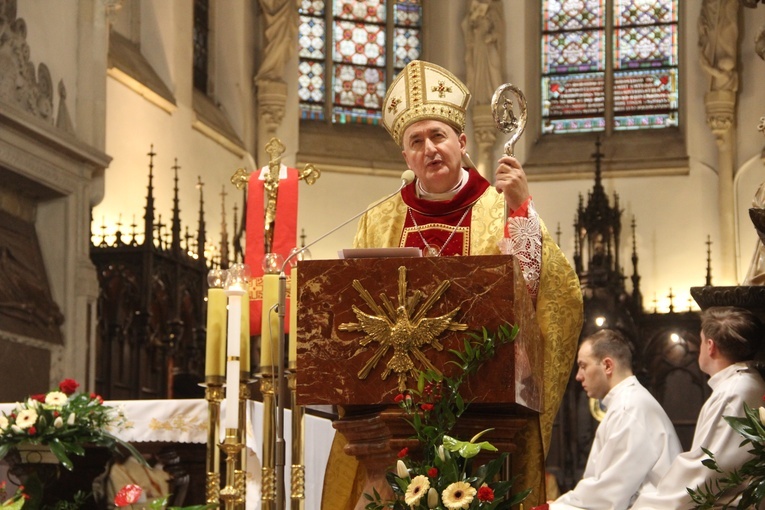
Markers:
point(375, 438)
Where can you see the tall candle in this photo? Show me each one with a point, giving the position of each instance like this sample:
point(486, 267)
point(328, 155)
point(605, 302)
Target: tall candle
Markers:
point(292, 357)
point(232, 356)
point(270, 321)
point(244, 356)
point(215, 349)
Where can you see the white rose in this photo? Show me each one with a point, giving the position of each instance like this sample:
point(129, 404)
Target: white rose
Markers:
point(3, 422)
point(401, 469)
point(762, 415)
point(70, 419)
point(58, 422)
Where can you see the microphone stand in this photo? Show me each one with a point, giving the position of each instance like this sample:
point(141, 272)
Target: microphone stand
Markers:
point(406, 178)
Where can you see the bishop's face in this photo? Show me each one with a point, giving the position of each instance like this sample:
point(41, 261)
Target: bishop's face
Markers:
point(433, 150)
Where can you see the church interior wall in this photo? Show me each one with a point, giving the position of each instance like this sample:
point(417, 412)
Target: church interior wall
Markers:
point(674, 213)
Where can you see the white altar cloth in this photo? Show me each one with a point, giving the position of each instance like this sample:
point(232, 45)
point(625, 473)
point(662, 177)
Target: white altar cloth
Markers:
point(185, 421)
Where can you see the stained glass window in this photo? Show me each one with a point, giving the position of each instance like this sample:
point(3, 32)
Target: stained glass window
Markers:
point(602, 73)
point(349, 51)
point(201, 47)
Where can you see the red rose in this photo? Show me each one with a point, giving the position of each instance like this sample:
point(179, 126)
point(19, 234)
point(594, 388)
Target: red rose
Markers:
point(403, 453)
point(426, 407)
point(485, 493)
point(128, 495)
point(399, 398)
point(68, 386)
point(40, 397)
point(433, 472)
point(32, 431)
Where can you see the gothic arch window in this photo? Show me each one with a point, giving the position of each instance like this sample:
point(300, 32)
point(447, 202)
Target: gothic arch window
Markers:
point(349, 50)
point(201, 37)
point(608, 70)
point(609, 65)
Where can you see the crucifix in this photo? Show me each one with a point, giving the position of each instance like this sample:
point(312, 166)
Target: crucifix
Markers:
point(274, 148)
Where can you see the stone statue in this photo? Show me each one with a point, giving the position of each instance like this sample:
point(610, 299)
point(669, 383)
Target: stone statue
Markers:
point(484, 31)
point(281, 33)
point(718, 40)
point(756, 273)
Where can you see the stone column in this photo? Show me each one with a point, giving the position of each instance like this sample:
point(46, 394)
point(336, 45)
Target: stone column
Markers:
point(272, 99)
point(485, 136)
point(718, 45)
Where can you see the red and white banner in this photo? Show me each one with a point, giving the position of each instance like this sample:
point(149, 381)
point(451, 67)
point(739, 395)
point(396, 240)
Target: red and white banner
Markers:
point(284, 240)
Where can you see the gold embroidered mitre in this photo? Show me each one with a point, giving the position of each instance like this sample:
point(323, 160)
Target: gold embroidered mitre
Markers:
point(424, 91)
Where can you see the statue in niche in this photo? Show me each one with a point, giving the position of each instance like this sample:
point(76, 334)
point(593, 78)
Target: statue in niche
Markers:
point(484, 31)
point(281, 18)
point(718, 40)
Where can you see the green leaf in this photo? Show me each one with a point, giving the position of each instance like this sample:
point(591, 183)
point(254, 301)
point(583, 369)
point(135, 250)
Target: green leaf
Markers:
point(60, 452)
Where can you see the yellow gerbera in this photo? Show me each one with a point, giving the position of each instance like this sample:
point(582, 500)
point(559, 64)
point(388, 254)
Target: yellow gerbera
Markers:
point(416, 490)
point(56, 398)
point(26, 418)
point(458, 495)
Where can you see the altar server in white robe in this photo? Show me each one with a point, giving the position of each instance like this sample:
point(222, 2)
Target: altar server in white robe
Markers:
point(730, 339)
point(636, 441)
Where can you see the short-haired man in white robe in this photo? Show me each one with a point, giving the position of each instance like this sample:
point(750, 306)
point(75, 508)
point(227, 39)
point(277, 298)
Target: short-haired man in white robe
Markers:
point(730, 339)
point(635, 443)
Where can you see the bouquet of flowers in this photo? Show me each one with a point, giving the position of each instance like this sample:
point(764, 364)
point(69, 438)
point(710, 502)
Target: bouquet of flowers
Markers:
point(748, 481)
point(63, 420)
point(442, 475)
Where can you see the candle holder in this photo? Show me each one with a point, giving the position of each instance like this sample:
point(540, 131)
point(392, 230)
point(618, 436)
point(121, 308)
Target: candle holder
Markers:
point(231, 446)
point(214, 396)
point(240, 471)
point(297, 472)
point(268, 475)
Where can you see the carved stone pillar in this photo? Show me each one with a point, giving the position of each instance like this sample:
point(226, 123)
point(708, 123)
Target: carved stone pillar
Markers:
point(485, 136)
point(272, 98)
point(720, 107)
point(718, 56)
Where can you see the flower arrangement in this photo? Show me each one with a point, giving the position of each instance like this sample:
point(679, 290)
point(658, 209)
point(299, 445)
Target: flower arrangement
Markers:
point(748, 481)
point(63, 420)
point(442, 475)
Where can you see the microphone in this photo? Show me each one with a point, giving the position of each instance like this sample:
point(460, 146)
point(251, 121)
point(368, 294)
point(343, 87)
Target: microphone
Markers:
point(407, 177)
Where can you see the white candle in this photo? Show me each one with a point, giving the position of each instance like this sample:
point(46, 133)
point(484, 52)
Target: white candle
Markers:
point(215, 357)
point(235, 294)
point(269, 321)
point(245, 333)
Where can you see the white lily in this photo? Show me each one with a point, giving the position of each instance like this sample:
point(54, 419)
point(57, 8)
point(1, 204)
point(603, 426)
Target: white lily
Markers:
point(401, 469)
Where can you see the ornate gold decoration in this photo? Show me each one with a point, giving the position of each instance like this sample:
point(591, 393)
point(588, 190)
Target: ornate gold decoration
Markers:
point(596, 410)
point(503, 108)
point(402, 328)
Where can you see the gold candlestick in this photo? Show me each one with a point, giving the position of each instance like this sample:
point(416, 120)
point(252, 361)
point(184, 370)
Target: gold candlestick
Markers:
point(297, 478)
point(240, 471)
point(231, 446)
point(214, 396)
point(268, 471)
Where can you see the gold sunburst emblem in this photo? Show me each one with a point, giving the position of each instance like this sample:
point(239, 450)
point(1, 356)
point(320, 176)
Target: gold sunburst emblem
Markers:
point(403, 328)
